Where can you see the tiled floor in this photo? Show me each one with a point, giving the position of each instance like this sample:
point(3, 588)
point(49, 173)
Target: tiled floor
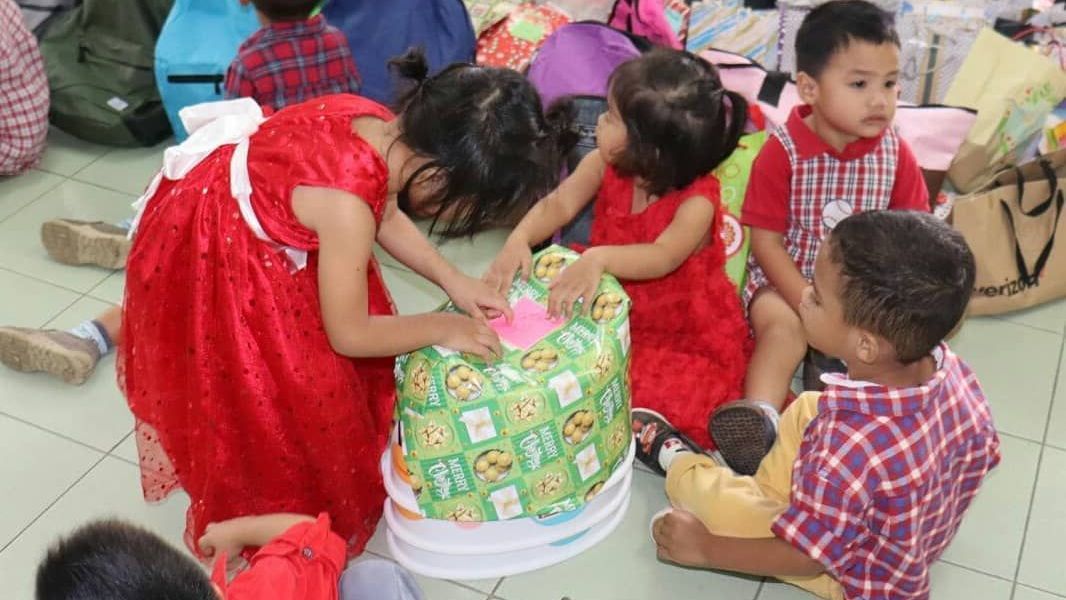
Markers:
point(68, 455)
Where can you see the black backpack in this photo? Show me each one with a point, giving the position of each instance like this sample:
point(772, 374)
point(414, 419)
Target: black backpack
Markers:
point(100, 61)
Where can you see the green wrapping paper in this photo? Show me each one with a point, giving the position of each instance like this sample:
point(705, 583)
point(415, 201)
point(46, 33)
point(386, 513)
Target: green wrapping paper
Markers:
point(535, 433)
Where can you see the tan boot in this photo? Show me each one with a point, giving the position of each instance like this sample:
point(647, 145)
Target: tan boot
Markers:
point(74, 242)
point(58, 353)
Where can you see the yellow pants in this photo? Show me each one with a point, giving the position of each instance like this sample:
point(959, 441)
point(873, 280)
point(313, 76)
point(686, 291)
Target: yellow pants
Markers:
point(738, 506)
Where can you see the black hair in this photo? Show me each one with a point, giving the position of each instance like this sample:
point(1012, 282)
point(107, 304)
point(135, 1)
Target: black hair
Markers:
point(114, 560)
point(486, 134)
point(680, 121)
point(830, 27)
point(285, 10)
point(906, 276)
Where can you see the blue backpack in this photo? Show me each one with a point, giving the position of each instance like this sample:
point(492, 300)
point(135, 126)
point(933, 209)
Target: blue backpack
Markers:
point(379, 31)
point(198, 42)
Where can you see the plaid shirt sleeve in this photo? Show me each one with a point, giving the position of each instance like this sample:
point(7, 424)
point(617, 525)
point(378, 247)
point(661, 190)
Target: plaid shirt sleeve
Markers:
point(238, 84)
point(826, 514)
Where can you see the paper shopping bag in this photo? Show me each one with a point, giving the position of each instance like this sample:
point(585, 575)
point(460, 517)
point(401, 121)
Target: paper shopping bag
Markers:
point(1013, 90)
point(1012, 228)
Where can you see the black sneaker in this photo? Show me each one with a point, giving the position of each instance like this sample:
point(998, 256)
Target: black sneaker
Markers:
point(815, 364)
point(744, 431)
point(651, 431)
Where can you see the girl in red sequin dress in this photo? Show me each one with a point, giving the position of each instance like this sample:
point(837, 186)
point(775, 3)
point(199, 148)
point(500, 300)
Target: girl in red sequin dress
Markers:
point(258, 332)
point(656, 221)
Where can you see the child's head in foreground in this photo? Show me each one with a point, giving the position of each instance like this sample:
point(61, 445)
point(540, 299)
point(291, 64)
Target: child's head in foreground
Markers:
point(847, 64)
point(113, 560)
point(669, 120)
point(888, 287)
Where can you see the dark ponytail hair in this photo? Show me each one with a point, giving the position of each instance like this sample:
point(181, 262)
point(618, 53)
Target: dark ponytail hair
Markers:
point(680, 121)
point(486, 136)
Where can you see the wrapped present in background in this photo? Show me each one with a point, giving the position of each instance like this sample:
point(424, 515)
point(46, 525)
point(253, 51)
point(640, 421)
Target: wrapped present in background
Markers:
point(1013, 90)
point(486, 13)
point(678, 15)
point(513, 41)
point(538, 431)
point(729, 25)
point(1054, 137)
point(936, 37)
point(790, 16)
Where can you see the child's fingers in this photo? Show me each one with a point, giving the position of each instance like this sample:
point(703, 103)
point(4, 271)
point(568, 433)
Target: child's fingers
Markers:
point(526, 266)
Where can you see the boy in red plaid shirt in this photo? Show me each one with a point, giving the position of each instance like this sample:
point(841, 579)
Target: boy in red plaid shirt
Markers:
point(293, 58)
point(868, 480)
point(837, 155)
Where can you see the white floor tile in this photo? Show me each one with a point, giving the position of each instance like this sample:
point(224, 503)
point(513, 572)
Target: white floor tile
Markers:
point(128, 170)
point(112, 489)
point(990, 538)
point(1022, 592)
point(1042, 562)
point(624, 566)
point(20, 238)
point(111, 289)
point(16, 192)
point(127, 449)
point(37, 467)
point(94, 413)
point(29, 302)
point(66, 155)
point(1016, 366)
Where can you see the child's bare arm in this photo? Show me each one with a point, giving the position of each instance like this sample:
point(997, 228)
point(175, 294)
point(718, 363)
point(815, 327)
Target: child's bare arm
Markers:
point(768, 247)
point(682, 538)
point(346, 228)
point(234, 535)
point(552, 212)
point(400, 238)
point(562, 205)
point(684, 235)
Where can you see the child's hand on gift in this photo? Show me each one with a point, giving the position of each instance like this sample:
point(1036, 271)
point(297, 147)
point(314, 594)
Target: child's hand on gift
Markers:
point(515, 256)
point(477, 298)
point(577, 283)
point(465, 334)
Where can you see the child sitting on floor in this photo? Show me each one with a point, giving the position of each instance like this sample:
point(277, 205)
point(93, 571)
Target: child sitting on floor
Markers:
point(868, 480)
point(658, 214)
point(837, 155)
point(299, 559)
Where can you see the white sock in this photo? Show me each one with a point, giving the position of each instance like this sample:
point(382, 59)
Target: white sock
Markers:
point(672, 448)
point(89, 330)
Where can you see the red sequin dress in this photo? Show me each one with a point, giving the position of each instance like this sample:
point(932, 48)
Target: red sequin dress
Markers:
point(690, 342)
point(238, 396)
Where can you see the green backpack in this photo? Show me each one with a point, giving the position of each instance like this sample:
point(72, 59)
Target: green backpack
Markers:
point(100, 59)
point(733, 175)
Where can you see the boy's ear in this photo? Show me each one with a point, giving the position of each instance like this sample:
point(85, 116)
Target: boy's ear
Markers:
point(807, 87)
point(868, 347)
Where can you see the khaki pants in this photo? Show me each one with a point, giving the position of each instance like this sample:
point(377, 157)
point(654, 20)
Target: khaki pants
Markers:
point(737, 506)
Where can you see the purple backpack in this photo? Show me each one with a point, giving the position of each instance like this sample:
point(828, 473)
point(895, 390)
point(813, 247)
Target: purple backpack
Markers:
point(576, 62)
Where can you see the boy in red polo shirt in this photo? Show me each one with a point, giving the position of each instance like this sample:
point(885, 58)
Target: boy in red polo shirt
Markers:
point(299, 558)
point(837, 155)
point(868, 480)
